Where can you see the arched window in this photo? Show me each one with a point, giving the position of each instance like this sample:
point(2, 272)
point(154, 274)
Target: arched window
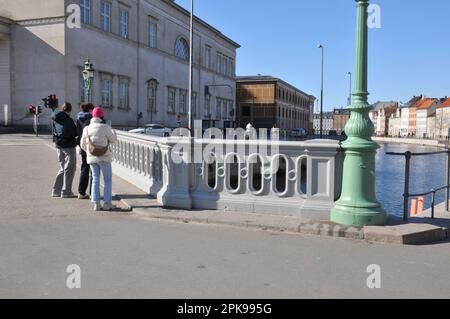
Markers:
point(182, 49)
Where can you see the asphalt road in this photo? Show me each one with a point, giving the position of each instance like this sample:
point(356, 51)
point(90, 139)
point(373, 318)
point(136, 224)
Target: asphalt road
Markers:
point(124, 256)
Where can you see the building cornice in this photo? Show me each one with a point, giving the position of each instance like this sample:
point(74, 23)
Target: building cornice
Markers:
point(41, 21)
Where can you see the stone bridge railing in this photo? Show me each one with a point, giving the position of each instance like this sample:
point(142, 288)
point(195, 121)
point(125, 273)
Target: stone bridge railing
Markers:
point(260, 176)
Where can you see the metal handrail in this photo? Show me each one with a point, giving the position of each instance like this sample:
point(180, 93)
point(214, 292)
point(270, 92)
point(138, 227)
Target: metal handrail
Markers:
point(406, 195)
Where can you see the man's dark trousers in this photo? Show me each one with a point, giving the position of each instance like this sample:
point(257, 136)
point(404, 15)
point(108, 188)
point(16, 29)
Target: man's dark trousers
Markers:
point(85, 174)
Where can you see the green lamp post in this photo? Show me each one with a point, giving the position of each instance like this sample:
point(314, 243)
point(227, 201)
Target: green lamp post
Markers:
point(358, 204)
point(88, 77)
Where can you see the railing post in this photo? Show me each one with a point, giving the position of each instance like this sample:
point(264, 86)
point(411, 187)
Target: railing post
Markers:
point(433, 202)
point(406, 191)
point(447, 190)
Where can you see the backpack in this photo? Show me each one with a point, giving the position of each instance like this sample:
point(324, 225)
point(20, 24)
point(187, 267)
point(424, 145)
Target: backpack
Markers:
point(95, 150)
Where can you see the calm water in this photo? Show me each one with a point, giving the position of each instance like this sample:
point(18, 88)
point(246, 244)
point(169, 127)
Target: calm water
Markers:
point(427, 172)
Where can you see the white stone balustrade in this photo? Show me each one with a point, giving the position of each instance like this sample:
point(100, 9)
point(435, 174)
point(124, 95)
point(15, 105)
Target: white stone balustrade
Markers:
point(261, 176)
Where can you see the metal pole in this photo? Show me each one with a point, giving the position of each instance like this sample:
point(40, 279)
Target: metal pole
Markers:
point(350, 91)
point(321, 94)
point(406, 191)
point(433, 202)
point(191, 65)
point(447, 190)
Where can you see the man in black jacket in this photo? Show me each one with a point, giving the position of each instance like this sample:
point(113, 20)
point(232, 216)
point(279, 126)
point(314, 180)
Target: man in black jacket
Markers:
point(65, 139)
point(83, 120)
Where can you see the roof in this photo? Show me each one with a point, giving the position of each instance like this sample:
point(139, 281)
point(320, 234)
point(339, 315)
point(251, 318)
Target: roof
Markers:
point(268, 78)
point(341, 112)
point(382, 105)
point(446, 103)
point(426, 104)
point(200, 21)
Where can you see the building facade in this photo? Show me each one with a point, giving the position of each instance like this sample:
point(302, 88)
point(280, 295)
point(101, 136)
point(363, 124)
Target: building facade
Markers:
point(442, 120)
point(380, 116)
point(340, 119)
point(140, 52)
point(395, 123)
point(266, 101)
point(327, 122)
point(425, 110)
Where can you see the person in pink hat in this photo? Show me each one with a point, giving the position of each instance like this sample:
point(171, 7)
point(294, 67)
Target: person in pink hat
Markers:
point(96, 139)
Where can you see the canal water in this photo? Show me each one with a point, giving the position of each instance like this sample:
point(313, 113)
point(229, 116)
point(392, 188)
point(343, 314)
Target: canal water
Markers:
point(427, 172)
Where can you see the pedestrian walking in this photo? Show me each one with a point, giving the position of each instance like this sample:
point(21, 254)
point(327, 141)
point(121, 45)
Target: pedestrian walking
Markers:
point(83, 119)
point(96, 139)
point(65, 139)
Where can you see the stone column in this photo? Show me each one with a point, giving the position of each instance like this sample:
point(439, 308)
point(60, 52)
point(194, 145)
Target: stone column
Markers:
point(358, 204)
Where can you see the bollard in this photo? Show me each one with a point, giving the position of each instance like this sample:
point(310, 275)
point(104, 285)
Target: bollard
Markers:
point(406, 190)
point(413, 207)
point(6, 110)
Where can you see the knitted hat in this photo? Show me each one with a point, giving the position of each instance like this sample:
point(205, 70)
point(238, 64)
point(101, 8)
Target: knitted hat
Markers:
point(98, 112)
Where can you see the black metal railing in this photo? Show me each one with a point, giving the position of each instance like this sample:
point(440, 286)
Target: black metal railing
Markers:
point(406, 195)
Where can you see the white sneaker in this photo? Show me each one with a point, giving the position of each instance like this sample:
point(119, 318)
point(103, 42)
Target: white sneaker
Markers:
point(97, 207)
point(109, 207)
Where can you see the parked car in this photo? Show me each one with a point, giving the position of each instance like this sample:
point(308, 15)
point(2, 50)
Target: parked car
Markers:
point(332, 133)
point(153, 130)
point(298, 133)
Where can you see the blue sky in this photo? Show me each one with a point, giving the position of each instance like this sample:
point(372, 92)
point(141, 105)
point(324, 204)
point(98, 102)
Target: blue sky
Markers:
point(409, 55)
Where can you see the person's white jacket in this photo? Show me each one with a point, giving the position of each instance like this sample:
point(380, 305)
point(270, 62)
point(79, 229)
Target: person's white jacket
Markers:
point(100, 134)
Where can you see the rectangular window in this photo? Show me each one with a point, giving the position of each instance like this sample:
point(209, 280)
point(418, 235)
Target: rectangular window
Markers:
point(106, 91)
point(124, 97)
point(106, 16)
point(231, 69)
point(207, 105)
point(219, 63)
point(208, 57)
point(171, 100)
point(194, 103)
point(152, 87)
point(152, 34)
point(123, 23)
point(225, 65)
point(85, 6)
point(182, 106)
point(218, 107)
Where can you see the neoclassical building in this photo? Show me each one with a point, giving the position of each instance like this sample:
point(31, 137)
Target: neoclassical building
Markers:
point(139, 50)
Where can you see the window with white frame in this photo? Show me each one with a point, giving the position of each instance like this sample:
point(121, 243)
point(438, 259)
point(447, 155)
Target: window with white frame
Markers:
point(225, 65)
point(171, 100)
point(85, 6)
point(123, 23)
point(106, 16)
point(124, 93)
point(182, 49)
point(152, 34)
point(152, 93)
point(231, 68)
point(207, 57)
point(106, 90)
point(194, 103)
point(182, 101)
point(219, 62)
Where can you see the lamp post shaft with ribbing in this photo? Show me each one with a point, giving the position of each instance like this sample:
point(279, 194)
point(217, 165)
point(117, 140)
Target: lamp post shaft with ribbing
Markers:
point(191, 68)
point(358, 204)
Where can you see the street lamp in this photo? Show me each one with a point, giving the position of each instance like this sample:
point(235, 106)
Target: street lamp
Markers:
point(320, 46)
point(350, 90)
point(358, 204)
point(88, 76)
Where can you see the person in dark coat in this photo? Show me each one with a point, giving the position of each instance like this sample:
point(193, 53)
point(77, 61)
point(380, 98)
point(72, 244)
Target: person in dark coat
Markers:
point(65, 139)
point(83, 119)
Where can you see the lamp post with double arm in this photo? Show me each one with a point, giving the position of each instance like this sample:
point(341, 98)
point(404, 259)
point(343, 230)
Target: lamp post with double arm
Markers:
point(88, 77)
